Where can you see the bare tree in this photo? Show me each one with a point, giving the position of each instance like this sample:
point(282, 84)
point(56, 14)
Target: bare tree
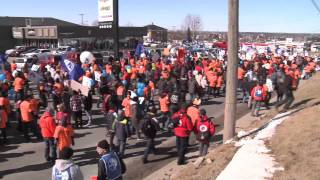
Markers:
point(129, 24)
point(194, 23)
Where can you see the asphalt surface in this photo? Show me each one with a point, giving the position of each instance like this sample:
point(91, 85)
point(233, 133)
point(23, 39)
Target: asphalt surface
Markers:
point(21, 160)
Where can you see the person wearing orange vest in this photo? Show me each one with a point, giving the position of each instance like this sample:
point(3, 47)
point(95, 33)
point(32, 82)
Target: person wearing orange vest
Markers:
point(4, 112)
point(48, 126)
point(241, 74)
point(63, 135)
point(258, 94)
point(27, 119)
point(120, 92)
point(164, 108)
point(193, 111)
point(18, 84)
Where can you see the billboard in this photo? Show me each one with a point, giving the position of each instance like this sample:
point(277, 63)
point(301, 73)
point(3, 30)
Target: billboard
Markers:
point(105, 10)
point(17, 32)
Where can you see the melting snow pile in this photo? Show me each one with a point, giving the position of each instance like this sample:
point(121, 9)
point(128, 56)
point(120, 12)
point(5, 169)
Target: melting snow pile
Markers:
point(252, 160)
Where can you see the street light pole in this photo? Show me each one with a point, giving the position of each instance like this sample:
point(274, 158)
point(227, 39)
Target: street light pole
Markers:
point(81, 18)
point(116, 28)
point(231, 90)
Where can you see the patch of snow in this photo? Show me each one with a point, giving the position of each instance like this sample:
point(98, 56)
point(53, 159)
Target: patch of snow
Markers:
point(242, 133)
point(252, 160)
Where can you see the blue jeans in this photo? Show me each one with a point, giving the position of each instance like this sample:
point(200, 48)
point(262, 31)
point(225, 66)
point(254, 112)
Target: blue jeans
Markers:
point(50, 149)
point(150, 148)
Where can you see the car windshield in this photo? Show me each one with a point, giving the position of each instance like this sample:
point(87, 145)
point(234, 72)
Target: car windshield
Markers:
point(19, 60)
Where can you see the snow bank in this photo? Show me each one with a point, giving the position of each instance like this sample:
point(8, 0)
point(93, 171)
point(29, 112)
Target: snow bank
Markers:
point(252, 161)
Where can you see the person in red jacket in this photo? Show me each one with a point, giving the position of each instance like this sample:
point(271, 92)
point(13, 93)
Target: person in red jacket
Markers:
point(205, 130)
point(182, 131)
point(48, 126)
point(258, 94)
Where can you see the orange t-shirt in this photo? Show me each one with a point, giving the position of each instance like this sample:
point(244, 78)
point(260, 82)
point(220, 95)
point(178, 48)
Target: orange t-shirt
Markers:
point(241, 73)
point(127, 107)
point(18, 84)
point(164, 104)
point(5, 103)
point(13, 66)
point(63, 134)
point(26, 109)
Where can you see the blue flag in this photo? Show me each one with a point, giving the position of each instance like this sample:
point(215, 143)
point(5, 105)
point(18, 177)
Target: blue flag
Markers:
point(74, 70)
point(3, 58)
point(139, 49)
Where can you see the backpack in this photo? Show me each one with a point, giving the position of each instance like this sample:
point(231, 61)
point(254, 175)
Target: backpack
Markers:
point(62, 175)
point(258, 96)
point(174, 99)
point(280, 77)
point(204, 132)
point(148, 128)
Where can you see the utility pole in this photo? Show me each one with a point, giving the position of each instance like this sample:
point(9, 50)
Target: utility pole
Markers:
point(232, 67)
point(81, 18)
point(116, 28)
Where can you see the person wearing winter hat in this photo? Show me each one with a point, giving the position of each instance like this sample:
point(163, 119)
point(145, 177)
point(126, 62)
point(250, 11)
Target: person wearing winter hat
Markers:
point(204, 129)
point(48, 126)
point(110, 165)
point(65, 168)
point(120, 129)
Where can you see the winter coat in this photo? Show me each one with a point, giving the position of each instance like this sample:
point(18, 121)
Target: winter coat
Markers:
point(184, 126)
point(64, 165)
point(154, 126)
point(192, 85)
point(47, 125)
point(119, 128)
point(263, 93)
point(102, 173)
point(204, 121)
point(183, 84)
point(87, 102)
point(286, 86)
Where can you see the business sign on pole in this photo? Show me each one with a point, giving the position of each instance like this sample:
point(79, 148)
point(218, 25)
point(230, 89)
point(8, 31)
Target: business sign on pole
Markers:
point(105, 10)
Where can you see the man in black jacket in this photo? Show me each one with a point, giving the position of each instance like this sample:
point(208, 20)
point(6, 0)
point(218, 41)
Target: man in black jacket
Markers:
point(110, 166)
point(150, 127)
point(285, 87)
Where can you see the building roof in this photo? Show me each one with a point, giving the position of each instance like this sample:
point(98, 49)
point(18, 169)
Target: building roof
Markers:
point(154, 27)
point(35, 21)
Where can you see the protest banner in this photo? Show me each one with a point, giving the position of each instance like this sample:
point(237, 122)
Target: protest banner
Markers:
point(74, 85)
point(35, 67)
point(97, 76)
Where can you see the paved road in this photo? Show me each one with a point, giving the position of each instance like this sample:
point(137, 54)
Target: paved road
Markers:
point(20, 160)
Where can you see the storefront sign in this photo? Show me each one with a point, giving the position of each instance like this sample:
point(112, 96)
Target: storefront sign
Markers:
point(17, 33)
point(105, 10)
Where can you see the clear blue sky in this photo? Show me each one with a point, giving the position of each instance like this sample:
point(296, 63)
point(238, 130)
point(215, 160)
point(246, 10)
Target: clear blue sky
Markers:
point(255, 15)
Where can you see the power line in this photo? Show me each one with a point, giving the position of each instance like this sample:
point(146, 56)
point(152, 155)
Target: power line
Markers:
point(315, 5)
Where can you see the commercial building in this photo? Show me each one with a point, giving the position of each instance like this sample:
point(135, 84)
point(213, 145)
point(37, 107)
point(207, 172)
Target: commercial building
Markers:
point(48, 32)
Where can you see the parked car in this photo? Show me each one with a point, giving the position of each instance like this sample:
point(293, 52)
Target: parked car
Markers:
point(62, 50)
point(22, 54)
point(38, 52)
point(98, 56)
point(22, 61)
